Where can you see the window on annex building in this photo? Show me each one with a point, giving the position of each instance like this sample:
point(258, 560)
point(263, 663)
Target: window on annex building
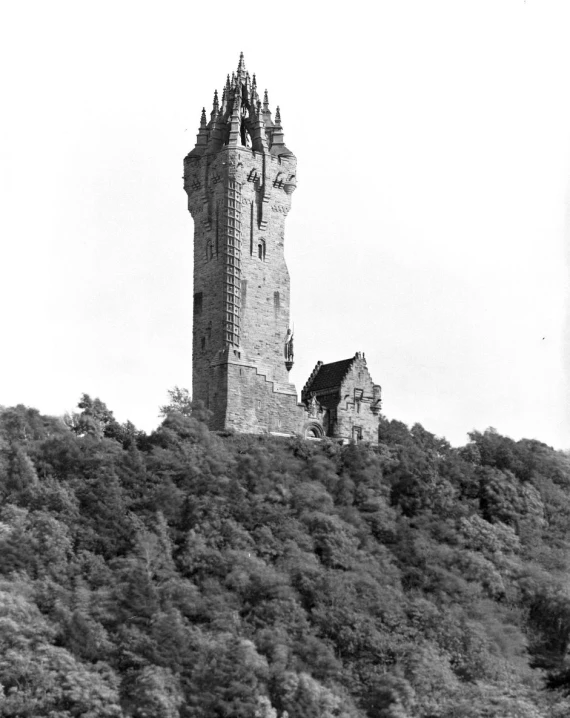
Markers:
point(358, 394)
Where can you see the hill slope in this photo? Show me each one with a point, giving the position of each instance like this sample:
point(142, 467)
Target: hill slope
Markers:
point(190, 574)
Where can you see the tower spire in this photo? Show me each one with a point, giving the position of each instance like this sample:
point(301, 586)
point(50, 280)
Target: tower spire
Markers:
point(241, 64)
point(215, 108)
point(202, 136)
point(277, 139)
point(235, 120)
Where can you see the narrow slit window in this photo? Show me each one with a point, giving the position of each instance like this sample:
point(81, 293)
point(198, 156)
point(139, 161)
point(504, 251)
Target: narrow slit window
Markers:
point(198, 303)
point(358, 394)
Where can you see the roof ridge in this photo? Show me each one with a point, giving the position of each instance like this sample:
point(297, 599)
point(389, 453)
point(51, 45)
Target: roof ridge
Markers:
point(340, 361)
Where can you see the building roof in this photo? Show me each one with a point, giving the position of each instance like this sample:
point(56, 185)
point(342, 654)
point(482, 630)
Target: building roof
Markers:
point(329, 376)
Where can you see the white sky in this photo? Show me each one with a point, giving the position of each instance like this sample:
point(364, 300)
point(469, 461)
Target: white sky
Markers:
point(429, 228)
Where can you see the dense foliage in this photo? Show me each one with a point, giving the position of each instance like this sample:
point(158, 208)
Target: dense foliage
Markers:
point(190, 574)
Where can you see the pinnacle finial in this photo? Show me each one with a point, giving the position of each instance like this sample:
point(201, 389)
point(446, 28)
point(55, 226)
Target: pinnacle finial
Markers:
point(215, 107)
point(254, 81)
point(203, 118)
point(241, 64)
point(277, 116)
point(265, 101)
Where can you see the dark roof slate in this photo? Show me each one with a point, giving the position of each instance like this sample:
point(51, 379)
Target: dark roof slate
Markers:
point(330, 375)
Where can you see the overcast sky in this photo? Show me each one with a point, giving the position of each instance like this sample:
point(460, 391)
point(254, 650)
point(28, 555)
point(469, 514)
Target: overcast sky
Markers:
point(429, 228)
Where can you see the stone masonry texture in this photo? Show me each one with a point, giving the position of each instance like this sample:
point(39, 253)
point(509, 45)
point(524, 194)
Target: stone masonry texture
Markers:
point(239, 179)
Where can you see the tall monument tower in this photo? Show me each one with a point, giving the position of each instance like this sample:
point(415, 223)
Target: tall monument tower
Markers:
point(239, 179)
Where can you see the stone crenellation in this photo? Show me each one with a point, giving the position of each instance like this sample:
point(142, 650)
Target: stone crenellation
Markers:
point(239, 179)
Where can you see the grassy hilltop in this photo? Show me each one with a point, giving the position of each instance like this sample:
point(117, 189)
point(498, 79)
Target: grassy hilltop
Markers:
point(184, 573)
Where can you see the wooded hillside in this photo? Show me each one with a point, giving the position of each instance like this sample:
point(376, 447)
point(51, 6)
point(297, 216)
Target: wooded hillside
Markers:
point(184, 573)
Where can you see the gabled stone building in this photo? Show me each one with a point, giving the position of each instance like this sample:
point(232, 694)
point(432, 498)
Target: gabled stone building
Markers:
point(239, 179)
point(346, 399)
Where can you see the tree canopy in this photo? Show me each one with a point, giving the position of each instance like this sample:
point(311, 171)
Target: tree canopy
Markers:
point(186, 574)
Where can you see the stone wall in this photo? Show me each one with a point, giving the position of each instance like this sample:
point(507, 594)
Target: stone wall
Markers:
point(258, 405)
point(239, 200)
point(353, 412)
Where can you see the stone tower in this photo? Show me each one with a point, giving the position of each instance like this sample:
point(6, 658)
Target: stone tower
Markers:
point(239, 179)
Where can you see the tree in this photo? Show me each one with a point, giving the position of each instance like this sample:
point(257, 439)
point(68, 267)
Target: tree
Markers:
point(153, 692)
point(38, 678)
point(180, 402)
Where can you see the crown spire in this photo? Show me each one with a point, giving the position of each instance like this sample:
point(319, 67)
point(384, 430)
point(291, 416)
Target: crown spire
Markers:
point(241, 117)
point(241, 64)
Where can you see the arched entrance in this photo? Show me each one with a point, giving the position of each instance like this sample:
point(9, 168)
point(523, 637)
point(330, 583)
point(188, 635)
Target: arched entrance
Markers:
point(314, 431)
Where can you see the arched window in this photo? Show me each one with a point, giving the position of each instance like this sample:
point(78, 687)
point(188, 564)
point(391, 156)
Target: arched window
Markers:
point(209, 251)
point(261, 249)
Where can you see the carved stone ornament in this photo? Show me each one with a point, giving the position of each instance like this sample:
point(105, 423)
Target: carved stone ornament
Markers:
point(314, 406)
